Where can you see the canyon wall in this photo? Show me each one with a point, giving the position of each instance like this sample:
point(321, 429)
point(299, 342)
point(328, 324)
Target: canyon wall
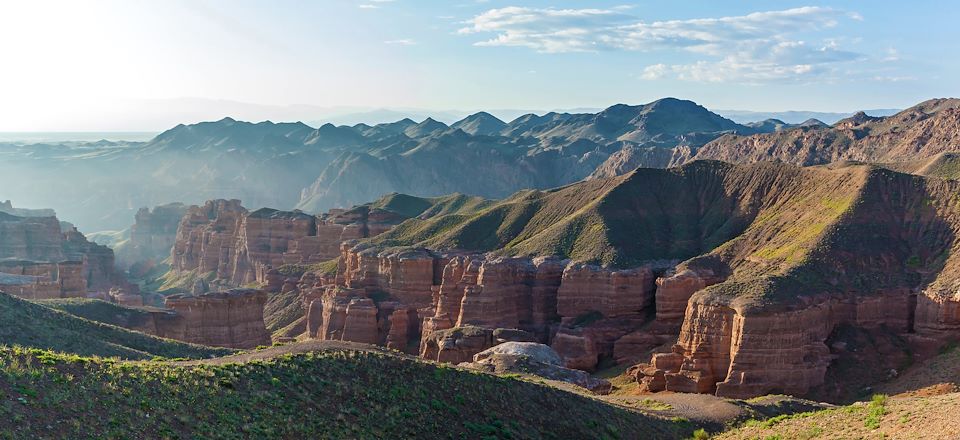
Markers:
point(152, 236)
point(240, 247)
point(454, 305)
point(232, 318)
point(44, 262)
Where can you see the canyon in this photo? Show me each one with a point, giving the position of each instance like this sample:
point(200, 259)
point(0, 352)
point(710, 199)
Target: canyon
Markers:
point(733, 278)
point(742, 295)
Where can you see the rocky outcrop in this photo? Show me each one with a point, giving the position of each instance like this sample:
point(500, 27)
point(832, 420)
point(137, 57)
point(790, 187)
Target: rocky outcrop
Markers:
point(675, 289)
point(460, 344)
point(533, 359)
point(30, 238)
point(232, 318)
point(735, 352)
point(38, 280)
point(583, 309)
point(586, 288)
point(264, 236)
point(152, 236)
point(206, 238)
point(61, 264)
point(240, 247)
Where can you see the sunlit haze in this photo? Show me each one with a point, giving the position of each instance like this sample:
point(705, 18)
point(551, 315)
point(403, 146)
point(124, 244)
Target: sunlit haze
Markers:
point(145, 66)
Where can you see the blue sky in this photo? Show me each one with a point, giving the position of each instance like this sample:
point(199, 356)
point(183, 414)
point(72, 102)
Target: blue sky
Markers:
point(76, 65)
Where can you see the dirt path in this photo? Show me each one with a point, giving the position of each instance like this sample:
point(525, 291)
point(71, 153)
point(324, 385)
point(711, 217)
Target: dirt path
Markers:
point(293, 348)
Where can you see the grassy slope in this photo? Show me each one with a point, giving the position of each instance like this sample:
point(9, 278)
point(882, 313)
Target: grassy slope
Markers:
point(34, 325)
point(330, 394)
point(99, 310)
point(777, 231)
point(897, 418)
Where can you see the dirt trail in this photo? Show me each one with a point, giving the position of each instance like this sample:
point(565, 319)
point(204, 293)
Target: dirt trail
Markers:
point(294, 348)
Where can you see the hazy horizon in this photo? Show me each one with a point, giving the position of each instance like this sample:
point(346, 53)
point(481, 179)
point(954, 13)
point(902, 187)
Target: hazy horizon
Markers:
point(115, 66)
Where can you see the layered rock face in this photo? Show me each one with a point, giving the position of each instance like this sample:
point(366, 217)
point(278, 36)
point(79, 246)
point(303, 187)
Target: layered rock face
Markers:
point(241, 247)
point(262, 240)
point(459, 301)
point(152, 236)
point(232, 318)
point(739, 353)
point(206, 237)
point(37, 280)
point(30, 238)
point(51, 263)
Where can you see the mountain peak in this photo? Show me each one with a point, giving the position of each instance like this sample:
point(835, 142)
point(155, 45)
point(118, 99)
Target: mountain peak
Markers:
point(480, 123)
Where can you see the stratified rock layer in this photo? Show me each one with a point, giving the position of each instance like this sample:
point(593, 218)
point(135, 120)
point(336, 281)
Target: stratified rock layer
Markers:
point(232, 318)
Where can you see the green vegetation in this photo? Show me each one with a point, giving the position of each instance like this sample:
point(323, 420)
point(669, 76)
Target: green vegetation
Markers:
point(100, 311)
point(171, 282)
point(656, 405)
point(331, 394)
point(875, 411)
point(34, 325)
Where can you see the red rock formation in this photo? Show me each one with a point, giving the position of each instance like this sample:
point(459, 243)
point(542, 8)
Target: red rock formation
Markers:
point(152, 236)
point(586, 288)
point(30, 238)
point(741, 353)
point(460, 344)
point(673, 291)
point(36, 280)
point(232, 318)
point(60, 264)
point(206, 238)
point(263, 238)
point(360, 321)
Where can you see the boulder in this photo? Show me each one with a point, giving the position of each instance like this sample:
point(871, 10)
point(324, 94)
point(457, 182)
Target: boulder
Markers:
point(534, 359)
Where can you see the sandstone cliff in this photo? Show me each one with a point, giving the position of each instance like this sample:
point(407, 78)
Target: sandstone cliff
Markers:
point(49, 263)
point(152, 236)
point(231, 318)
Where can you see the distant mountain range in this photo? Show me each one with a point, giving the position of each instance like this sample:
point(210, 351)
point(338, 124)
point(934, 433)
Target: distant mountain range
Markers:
point(99, 185)
point(797, 117)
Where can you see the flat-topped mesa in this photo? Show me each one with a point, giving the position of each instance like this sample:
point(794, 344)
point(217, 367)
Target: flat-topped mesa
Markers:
point(6, 206)
point(232, 318)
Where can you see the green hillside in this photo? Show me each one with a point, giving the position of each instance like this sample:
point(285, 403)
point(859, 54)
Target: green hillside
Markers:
point(33, 325)
point(327, 394)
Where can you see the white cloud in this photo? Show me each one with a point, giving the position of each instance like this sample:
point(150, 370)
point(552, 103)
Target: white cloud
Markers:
point(368, 6)
point(760, 46)
point(401, 42)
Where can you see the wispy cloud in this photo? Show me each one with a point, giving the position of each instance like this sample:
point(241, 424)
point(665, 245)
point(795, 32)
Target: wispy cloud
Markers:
point(368, 6)
point(401, 42)
point(756, 47)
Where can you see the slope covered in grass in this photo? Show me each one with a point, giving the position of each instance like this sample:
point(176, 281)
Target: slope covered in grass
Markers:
point(33, 325)
point(99, 310)
point(327, 394)
point(774, 231)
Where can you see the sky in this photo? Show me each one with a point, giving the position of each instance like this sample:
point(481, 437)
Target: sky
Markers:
point(146, 65)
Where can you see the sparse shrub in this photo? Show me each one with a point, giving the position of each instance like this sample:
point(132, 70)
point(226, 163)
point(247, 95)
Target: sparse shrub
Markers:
point(700, 434)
